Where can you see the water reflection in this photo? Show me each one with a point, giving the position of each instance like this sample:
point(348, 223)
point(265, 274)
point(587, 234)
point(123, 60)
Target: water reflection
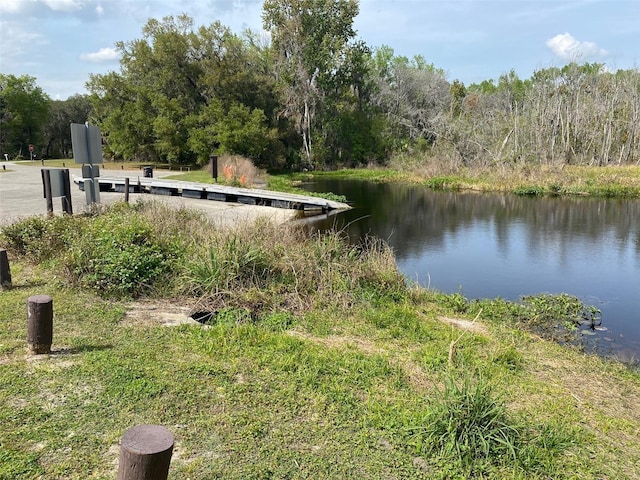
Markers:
point(502, 245)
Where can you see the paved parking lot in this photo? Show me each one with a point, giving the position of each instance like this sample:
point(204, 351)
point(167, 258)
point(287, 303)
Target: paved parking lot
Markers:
point(21, 195)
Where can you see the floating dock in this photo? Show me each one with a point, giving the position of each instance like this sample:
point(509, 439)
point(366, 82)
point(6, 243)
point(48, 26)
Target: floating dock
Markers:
point(216, 192)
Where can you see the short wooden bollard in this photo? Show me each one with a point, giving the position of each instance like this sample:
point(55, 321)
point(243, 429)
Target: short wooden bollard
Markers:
point(5, 270)
point(126, 189)
point(145, 453)
point(40, 323)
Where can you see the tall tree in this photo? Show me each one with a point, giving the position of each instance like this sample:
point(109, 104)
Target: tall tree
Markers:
point(23, 114)
point(311, 39)
point(177, 87)
point(412, 94)
point(57, 134)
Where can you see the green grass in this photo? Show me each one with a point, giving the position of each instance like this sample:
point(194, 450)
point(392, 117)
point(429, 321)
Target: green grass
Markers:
point(319, 362)
point(612, 182)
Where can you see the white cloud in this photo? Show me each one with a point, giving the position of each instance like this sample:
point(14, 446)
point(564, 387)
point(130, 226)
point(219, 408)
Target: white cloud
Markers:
point(101, 56)
point(99, 10)
point(64, 5)
point(565, 46)
point(11, 6)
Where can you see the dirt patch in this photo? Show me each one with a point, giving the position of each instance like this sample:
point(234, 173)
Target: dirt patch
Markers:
point(469, 325)
point(164, 313)
point(336, 341)
point(412, 370)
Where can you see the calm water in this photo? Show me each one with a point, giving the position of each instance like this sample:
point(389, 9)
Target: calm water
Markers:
point(501, 245)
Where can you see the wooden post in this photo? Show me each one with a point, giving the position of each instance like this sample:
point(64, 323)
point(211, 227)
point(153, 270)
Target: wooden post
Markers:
point(145, 453)
point(126, 189)
point(5, 270)
point(40, 323)
point(213, 161)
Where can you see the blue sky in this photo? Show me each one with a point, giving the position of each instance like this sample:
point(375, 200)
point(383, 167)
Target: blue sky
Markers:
point(61, 42)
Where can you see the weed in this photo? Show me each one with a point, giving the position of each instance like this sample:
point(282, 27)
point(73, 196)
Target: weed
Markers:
point(448, 183)
point(468, 427)
point(529, 190)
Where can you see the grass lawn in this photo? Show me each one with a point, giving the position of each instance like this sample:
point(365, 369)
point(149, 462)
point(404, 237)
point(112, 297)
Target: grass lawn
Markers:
point(330, 397)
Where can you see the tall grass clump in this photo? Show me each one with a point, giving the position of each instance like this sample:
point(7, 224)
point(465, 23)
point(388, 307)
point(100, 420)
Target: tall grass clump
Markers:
point(271, 267)
point(468, 429)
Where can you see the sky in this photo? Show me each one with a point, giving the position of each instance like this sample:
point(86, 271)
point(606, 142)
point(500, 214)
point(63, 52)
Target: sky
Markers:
point(62, 42)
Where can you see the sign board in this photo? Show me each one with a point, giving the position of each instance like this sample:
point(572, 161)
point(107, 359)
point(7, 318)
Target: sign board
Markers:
point(86, 142)
point(89, 171)
point(58, 188)
point(31, 147)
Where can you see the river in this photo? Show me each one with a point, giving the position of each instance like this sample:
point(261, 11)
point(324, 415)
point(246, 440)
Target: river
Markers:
point(508, 246)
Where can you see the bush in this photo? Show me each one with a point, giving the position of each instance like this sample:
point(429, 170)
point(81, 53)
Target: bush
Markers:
point(119, 255)
point(41, 238)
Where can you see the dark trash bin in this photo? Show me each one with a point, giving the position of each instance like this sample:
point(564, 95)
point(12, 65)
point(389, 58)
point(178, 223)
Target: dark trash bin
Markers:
point(147, 172)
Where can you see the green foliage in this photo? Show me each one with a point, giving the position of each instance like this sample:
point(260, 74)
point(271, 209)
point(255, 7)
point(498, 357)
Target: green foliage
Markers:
point(228, 264)
point(546, 309)
point(448, 183)
point(23, 114)
point(41, 238)
point(556, 317)
point(246, 132)
point(468, 427)
point(318, 67)
point(324, 391)
point(529, 190)
point(15, 464)
point(184, 94)
point(57, 134)
point(119, 255)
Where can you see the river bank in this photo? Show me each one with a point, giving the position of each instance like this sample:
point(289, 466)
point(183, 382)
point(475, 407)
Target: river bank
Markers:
point(610, 181)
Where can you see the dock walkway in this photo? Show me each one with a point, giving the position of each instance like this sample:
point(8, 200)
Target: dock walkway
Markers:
point(216, 192)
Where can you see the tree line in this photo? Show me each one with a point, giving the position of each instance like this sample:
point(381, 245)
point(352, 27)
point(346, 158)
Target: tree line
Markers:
point(313, 96)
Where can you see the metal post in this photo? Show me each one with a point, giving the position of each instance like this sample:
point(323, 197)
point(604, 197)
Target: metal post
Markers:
point(46, 178)
point(145, 453)
point(5, 270)
point(67, 206)
point(92, 197)
point(40, 323)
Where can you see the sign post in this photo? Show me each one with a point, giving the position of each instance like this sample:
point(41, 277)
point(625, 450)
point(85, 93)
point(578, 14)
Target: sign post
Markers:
point(86, 142)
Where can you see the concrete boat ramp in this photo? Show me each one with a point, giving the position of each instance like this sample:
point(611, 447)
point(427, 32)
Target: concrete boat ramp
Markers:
point(216, 192)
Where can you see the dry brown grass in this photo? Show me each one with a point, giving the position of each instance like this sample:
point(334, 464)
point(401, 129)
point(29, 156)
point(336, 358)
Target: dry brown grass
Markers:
point(234, 169)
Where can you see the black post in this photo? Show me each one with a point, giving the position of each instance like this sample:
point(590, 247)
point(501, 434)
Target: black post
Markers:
point(145, 453)
point(5, 270)
point(46, 179)
point(126, 189)
point(40, 323)
point(67, 206)
point(213, 162)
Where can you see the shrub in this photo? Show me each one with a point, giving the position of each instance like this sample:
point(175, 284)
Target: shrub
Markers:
point(41, 238)
point(119, 255)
